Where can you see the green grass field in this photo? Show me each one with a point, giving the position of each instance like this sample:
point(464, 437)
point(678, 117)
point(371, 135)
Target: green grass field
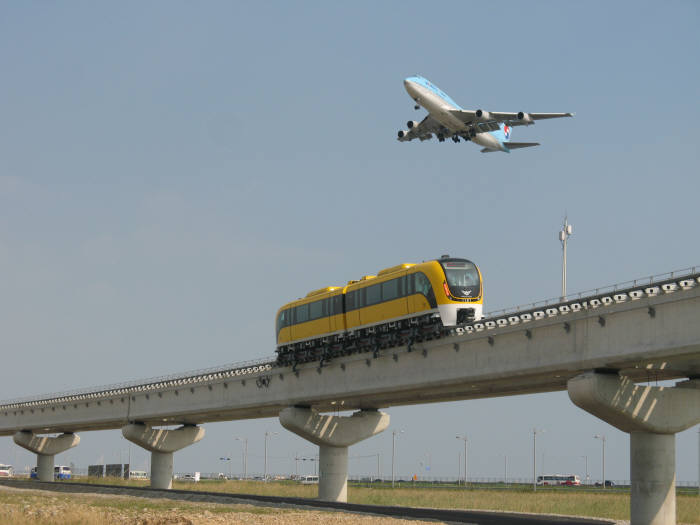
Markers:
point(613, 504)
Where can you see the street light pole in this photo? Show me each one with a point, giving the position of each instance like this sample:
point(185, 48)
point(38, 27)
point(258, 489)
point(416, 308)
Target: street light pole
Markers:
point(534, 457)
point(586, 458)
point(393, 453)
point(464, 438)
point(267, 434)
point(245, 455)
point(564, 235)
point(602, 438)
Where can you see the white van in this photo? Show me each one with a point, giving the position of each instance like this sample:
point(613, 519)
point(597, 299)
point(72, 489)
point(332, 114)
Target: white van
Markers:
point(7, 471)
point(309, 480)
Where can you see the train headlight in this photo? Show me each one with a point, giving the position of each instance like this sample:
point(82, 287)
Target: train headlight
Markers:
point(447, 289)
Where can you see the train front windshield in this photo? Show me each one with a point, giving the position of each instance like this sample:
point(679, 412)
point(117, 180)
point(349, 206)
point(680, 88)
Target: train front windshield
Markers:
point(462, 277)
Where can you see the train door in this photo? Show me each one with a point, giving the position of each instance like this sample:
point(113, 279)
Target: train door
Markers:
point(420, 291)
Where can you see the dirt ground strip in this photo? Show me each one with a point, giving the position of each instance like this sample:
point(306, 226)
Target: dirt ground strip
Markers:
point(39, 507)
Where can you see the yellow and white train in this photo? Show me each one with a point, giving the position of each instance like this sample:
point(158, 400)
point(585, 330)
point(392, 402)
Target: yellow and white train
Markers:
point(398, 306)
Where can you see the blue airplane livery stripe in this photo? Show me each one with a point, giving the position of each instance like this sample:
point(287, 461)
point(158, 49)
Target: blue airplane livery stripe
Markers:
point(432, 87)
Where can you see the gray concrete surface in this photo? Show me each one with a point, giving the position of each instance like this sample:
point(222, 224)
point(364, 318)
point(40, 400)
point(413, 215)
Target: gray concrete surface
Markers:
point(46, 448)
point(333, 435)
point(652, 415)
point(162, 443)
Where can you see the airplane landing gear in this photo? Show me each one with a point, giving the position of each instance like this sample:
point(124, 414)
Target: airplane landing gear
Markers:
point(441, 137)
point(455, 139)
point(416, 107)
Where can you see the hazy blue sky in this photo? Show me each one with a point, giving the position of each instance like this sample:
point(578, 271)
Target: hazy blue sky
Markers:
point(172, 172)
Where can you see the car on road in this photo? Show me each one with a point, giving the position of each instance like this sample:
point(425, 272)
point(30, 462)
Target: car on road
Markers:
point(608, 483)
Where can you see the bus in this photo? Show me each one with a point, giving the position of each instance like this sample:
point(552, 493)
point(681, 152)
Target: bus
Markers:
point(61, 472)
point(559, 479)
point(7, 471)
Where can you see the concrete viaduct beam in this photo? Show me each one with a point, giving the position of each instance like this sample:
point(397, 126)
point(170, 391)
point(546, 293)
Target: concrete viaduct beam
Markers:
point(162, 443)
point(333, 435)
point(652, 416)
point(45, 448)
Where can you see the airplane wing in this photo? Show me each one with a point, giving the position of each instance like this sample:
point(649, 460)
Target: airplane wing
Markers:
point(494, 117)
point(423, 131)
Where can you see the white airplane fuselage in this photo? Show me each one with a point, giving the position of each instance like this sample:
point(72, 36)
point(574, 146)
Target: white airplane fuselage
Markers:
point(438, 104)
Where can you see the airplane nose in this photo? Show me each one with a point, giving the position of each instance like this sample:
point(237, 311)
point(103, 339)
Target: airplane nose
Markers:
point(409, 86)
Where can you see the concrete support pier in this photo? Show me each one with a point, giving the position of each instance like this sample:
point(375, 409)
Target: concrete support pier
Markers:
point(162, 443)
point(45, 449)
point(333, 435)
point(652, 416)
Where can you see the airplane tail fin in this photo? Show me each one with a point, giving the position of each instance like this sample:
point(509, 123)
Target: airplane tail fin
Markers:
point(505, 132)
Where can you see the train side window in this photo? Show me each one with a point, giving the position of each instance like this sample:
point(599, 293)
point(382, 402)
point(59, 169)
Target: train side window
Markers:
point(316, 310)
point(390, 290)
point(374, 294)
point(410, 284)
point(350, 301)
point(301, 313)
point(283, 320)
point(337, 305)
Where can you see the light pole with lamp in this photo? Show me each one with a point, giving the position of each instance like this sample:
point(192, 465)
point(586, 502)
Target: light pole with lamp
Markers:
point(602, 438)
point(245, 455)
point(464, 438)
point(393, 454)
point(267, 434)
point(586, 458)
point(229, 465)
point(564, 235)
point(535, 431)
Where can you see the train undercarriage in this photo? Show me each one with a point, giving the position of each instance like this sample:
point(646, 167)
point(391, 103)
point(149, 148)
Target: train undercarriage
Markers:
point(405, 332)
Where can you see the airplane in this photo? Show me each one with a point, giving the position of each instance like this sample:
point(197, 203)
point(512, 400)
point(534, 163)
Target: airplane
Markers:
point(446, 119)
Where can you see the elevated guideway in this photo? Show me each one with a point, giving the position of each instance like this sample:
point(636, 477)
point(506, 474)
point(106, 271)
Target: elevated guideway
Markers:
point(645, 330)
point(641, 331)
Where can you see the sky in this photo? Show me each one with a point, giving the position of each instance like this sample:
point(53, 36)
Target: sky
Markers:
point(171, 173)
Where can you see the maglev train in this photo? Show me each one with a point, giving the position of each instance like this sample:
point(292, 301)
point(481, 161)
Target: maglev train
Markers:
point(399, 306)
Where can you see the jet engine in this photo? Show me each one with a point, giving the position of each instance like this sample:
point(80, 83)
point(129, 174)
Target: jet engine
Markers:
point(402, 133)
point(411, 124)
point(524, 117)
point(483, 115)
